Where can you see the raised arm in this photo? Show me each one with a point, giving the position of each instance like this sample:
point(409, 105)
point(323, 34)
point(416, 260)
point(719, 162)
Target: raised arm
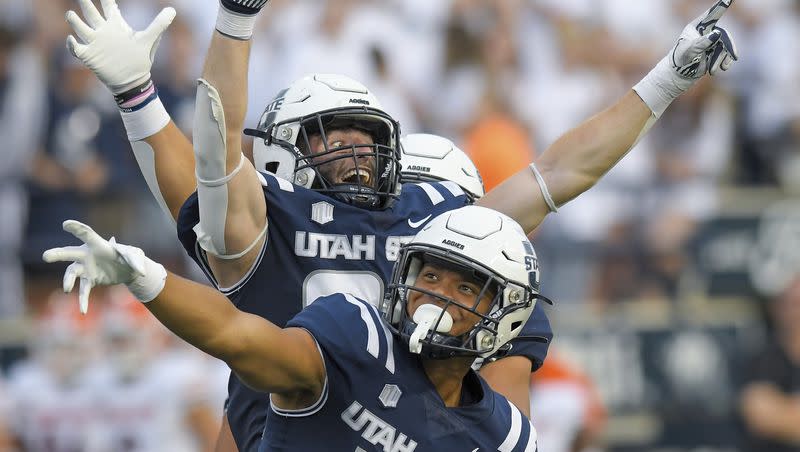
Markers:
point(580, 157)
point(121, 59)
point(233, 217)
point(266, 357)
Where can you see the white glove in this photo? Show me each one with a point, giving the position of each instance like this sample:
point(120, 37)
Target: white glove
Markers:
point(106, 262)
point(119, 56)
point(701, 48)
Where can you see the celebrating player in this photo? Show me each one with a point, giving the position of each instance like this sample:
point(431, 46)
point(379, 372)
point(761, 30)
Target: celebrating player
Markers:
point(343, 376)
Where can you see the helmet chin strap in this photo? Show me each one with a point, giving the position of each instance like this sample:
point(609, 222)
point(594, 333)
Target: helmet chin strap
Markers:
point(424, 317)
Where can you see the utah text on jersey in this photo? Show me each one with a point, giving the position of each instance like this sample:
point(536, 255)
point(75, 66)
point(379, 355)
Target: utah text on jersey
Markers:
point(350, 247)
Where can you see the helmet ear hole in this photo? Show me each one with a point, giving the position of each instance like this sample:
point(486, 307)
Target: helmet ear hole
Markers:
point(271, 167)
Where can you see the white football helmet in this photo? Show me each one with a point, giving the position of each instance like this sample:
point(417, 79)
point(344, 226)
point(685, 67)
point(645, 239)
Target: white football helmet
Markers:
point(318, 104)
point(484, 243)
point(432, 158)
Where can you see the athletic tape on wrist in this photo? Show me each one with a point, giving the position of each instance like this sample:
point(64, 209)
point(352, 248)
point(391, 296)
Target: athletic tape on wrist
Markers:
point(146, 121)
point(660, 87)
point(235, 25)
point(146, 287)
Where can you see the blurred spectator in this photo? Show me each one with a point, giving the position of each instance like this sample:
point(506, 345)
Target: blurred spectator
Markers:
point(497, 143)
point(54, 407)
point(22, 109)
point(176, 78)
point(148, 400)
point(69, 170)
point(693, 146)
point(392, 94)
point(772, 98)
point(566, 409)
point(770, 404)
point(480, 71)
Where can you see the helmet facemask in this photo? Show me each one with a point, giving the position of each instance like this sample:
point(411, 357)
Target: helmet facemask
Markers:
point(439, 343)
point(363, 174)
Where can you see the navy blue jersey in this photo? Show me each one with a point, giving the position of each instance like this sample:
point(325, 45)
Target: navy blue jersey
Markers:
point(317, 245)
point(377, 396)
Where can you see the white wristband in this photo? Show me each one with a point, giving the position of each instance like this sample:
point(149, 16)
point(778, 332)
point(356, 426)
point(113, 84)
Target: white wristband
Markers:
point(237, 26)
point(145, 122)
point(146, 287)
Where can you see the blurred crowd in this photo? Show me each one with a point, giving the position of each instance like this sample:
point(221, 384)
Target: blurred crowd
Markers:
point(502, 78)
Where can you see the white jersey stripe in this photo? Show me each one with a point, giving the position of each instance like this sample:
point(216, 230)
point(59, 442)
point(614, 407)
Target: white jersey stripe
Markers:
point(532, 437)
point(516, 428)
point(262, 179)
point(372, 330)
point(389, 348)
point(389, 342)
point(453, 187)
point(284, 184)
point(432, 193)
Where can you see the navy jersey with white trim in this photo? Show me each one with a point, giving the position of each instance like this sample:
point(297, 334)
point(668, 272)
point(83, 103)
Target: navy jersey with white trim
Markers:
point(317, 245)
point(378, 398)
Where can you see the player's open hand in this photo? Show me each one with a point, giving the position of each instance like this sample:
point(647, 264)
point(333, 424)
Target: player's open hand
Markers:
point(703, 47)
point(96, 262)
point(105, 43)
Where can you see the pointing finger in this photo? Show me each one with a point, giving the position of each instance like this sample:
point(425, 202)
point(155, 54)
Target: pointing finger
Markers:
point(707, 20)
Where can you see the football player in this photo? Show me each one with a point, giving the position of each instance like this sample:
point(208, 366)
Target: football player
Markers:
point(53, 404)
point(343, 376)
point(149, 399)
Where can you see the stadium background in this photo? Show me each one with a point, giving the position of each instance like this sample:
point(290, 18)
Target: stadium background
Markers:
point(664, 274)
